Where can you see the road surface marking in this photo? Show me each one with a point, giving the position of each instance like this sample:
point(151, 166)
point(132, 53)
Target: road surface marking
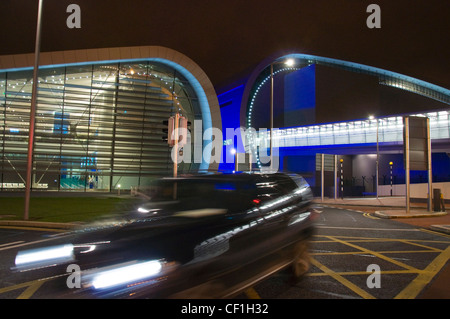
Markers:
point(27, 243)
point(424, 277)
point(252, 294)
point(369, 215)
point(53, 230)
point(434, 232)
point(342, 280)
point(32, 288)
point(12, 243)
point(376, 254)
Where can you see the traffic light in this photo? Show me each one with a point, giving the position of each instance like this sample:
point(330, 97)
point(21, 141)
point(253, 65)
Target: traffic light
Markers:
point(169, 126)
point(183, 130)
point(176, 122)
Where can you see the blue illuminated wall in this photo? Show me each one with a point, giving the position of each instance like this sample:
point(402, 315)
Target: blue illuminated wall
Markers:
point(300, 97)
point(230, 105)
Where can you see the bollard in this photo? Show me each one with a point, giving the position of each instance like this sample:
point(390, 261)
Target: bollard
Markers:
point(436, 200)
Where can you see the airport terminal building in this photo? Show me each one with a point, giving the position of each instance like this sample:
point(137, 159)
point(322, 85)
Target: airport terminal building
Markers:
point(328, 106)
point(100, 116)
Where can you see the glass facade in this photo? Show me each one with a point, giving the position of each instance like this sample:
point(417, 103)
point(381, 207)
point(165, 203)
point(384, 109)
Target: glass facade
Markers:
point(98, 125)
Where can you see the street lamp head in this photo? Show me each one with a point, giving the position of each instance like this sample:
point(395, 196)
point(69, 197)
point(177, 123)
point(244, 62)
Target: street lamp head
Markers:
point(371, 117)
point(289, 62)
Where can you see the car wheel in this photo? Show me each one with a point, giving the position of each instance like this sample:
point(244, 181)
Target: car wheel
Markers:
point(301, 262)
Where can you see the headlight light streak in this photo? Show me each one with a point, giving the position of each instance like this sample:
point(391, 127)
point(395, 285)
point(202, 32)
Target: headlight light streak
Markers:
point(44, 257)
point(125, 274)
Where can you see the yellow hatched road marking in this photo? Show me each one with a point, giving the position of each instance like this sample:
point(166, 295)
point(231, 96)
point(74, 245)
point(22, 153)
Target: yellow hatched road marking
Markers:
point(342, 280)
point(368, 239)
point(376, 254)
point(409, 292)
point(415, 287)
point(32, 287)
point(434, 232)
point(420, 245)
point(358, 273)
point(380, 252)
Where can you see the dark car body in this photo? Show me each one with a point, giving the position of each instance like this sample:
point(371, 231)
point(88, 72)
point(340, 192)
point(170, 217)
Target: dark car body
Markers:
point(204, 236)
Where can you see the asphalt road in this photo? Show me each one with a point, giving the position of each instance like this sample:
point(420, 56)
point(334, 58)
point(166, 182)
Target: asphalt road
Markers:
point(350, 245)
point(353, 256)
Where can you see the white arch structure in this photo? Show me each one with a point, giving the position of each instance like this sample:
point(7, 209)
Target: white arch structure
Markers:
point(198, 79)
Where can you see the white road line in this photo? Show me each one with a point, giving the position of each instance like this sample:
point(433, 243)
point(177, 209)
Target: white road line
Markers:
point(26, 244)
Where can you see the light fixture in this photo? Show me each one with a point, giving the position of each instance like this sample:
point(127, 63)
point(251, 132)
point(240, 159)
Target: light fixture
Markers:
point(42, 257)
point(289, 62)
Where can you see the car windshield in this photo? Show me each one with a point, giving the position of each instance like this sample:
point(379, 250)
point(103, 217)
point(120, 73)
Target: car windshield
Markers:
point(204, 193)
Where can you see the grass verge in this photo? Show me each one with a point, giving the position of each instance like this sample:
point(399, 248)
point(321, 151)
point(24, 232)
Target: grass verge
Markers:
point(62, 209)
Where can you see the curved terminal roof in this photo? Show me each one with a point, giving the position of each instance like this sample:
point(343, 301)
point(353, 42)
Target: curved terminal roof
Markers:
point(385, 77)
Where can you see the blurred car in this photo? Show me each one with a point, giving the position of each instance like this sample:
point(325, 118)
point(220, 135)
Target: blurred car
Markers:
point(202, 236)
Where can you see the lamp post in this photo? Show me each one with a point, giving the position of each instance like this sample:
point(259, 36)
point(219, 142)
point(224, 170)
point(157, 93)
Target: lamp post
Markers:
point(371, 117)
point(235, 154)
point(33, 112)
point(289, 63)
point(390, 168)
point(342, 178)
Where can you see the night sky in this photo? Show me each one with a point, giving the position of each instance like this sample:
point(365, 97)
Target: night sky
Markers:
point(230, 37)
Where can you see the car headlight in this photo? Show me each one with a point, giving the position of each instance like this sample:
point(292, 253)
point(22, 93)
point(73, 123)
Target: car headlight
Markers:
point(125, 274)
point(44, 257)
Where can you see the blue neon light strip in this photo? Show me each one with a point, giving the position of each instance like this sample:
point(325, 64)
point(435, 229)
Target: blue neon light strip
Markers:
point(231, 90)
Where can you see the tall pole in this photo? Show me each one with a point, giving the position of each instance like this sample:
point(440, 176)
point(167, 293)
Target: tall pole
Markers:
point(322, 179)
point(430, 175)
point(175, 147)
point(176, 136)
point(390, 166)
point(378, 160)
point(335, 177)
point(342, 178)
point(407, 181)
point(33, 112)
point(271, 116)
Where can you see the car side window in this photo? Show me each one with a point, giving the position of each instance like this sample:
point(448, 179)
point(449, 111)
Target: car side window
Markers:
point(285, 184)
